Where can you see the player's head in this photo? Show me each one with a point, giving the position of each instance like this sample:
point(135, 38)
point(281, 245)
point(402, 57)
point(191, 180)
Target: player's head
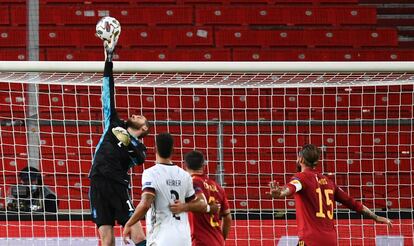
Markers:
point(165, 145)
point(138, 125)
point(194, 160)
point(309, 155)
point(30, 176)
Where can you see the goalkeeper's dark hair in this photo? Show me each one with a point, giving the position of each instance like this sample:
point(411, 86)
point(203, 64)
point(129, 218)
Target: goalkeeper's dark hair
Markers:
point(165, 145)
point(132, 124)
point(194, 160)
point(310, 154)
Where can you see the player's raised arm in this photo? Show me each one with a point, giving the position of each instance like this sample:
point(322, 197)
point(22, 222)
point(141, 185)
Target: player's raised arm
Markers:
point(136, 127)
point(108, 88)
point(343, 197)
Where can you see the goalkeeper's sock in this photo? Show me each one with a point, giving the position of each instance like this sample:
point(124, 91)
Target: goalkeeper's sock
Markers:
point(142, 243)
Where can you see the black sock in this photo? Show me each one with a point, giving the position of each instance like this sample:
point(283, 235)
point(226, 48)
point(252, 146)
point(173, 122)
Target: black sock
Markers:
point(142, 243)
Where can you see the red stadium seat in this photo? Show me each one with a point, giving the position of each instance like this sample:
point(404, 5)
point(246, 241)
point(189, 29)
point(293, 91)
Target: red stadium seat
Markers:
point(84, 1)
point(150, 54)
point(90, 14)
point(205, 1)
point(310, 38)
point(327, 54)
point(384, 55)
point(17, 54)
point(65, 54)
point(316, 1)
point(67, 166)
point(70, 190)
point(285, 15)
point(16, 161)
point(70, 37)
point(12, 103)
point(14, 1)
point(137, 37)
point(12, 87)
point(250, 1)
point(169, 37)
point(18, 15)
point(4, 16)
point(13, 37)
point(186, 55)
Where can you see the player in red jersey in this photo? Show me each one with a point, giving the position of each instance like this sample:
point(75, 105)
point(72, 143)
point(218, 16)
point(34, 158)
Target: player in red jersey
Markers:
point(314, 198)
point(206, 229)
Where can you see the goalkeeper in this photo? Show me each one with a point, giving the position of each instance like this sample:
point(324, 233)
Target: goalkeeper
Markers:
point(119, 149)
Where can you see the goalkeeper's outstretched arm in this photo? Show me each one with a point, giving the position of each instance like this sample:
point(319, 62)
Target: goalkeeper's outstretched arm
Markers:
point(108, 98)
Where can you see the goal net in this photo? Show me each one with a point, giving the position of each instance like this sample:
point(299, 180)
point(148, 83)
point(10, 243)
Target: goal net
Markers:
point(250, 126)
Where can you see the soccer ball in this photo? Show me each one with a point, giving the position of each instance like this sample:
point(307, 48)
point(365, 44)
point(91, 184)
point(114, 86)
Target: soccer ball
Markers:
point(108, 27)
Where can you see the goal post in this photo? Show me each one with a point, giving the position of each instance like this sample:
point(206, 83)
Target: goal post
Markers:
point(249, 119)
point(243, 67)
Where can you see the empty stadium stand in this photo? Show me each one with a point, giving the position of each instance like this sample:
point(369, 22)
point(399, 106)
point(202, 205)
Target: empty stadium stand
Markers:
point(241, 30)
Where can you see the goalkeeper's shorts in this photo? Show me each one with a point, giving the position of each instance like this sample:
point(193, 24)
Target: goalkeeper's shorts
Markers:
point(110, 202)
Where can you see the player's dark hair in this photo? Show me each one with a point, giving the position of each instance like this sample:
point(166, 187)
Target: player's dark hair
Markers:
point(310, 154)
point(165, 145)
point(194, 160)
point(30, 174)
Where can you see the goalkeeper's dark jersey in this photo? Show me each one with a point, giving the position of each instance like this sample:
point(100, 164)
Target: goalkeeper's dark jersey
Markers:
point(112, 159)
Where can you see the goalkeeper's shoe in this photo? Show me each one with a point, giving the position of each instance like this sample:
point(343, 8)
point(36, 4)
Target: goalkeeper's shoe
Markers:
point(109, 47)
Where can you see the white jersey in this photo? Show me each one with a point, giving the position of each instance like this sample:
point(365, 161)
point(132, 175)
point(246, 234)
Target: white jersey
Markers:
point(168, 183)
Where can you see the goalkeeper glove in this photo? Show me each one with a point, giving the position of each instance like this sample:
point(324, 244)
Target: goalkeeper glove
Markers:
point(122, 135)
point(109, 47)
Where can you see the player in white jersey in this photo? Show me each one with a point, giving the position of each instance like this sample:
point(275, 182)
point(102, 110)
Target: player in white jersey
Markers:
point(163, 185)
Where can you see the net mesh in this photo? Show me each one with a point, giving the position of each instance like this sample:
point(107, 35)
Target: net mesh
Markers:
point(249, 126)
point(216, 80)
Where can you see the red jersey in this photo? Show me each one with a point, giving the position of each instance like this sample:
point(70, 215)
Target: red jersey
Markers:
point(206, 228)
point(315, 197)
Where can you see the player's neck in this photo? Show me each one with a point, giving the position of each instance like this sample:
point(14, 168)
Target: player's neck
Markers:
point(161, 160)
point(195, 172)
point(130, 131)
point(306, 168)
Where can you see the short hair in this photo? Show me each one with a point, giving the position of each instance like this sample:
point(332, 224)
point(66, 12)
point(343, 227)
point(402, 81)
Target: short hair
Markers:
point(194, 160)
point(165, 145)
point(30, 174)
point(130, 123)
point(310, 154)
